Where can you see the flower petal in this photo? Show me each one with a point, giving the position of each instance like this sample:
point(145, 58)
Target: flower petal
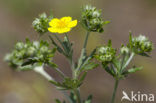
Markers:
point(54, 22)
point(53, 30)
point(66, 19)
point(72, 23)
point(64, 30)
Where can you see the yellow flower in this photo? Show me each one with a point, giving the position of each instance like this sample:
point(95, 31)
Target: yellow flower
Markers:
point(62, 25)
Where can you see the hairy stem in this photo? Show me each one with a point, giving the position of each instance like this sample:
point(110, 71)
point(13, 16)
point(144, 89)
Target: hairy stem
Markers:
point(114, 91)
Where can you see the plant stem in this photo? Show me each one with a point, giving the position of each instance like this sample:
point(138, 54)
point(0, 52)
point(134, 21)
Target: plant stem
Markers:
point(77, 93)
point(114, 91)
point(41, 71)
point(86, 39)
point(128, 61)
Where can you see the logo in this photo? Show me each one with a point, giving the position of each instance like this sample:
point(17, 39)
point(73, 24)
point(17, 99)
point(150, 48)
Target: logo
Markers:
point(137, 97)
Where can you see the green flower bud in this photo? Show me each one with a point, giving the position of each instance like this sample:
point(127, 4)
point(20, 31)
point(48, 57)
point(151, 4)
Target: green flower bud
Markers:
point(141, 44)
point(8, 57)
point(105, 53)
point(31, 53)
point(41, 24)
point(96, 14)
point(19, 46)
point(124, 50)
point(65, 39)
point(91, 19)
point(19, 54)
point(36, 44)
point(44, 49)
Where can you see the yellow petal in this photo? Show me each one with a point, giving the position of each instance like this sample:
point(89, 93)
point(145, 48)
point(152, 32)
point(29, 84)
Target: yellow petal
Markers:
point(53, 30)
point(66, 19)
point(54, 22)
point(72, 23)
point(64, 30)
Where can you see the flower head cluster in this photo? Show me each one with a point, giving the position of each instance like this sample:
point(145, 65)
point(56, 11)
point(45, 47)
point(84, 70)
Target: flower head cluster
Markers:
point(41, 24)
point(91, 19)
point(105, 54)
point(124, 50)
point(141, 44)
point(62, 25)
point(27, 54)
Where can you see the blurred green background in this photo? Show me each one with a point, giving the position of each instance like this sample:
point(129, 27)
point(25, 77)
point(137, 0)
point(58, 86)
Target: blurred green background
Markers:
point(16, 17)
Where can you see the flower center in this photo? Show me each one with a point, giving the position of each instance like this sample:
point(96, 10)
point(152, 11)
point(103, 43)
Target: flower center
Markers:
point(61, 24)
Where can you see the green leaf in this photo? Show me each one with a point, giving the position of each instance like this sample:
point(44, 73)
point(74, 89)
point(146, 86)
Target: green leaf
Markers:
point(59, 49)
point(89, 66)
point(92, 53)
point(130, 40)
point(54, 82)
point(73, 97)
point(109, 43)
point(89, 99)
point(67, 84)
point(108, 69)
point(106, 22)
point(57, 101)
point(132, 70)
point(51, 64)
point(116, 63)
point(25, 68)
point(144, 54)
point(29, 61)
point(84, 60)
point(83, 77)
